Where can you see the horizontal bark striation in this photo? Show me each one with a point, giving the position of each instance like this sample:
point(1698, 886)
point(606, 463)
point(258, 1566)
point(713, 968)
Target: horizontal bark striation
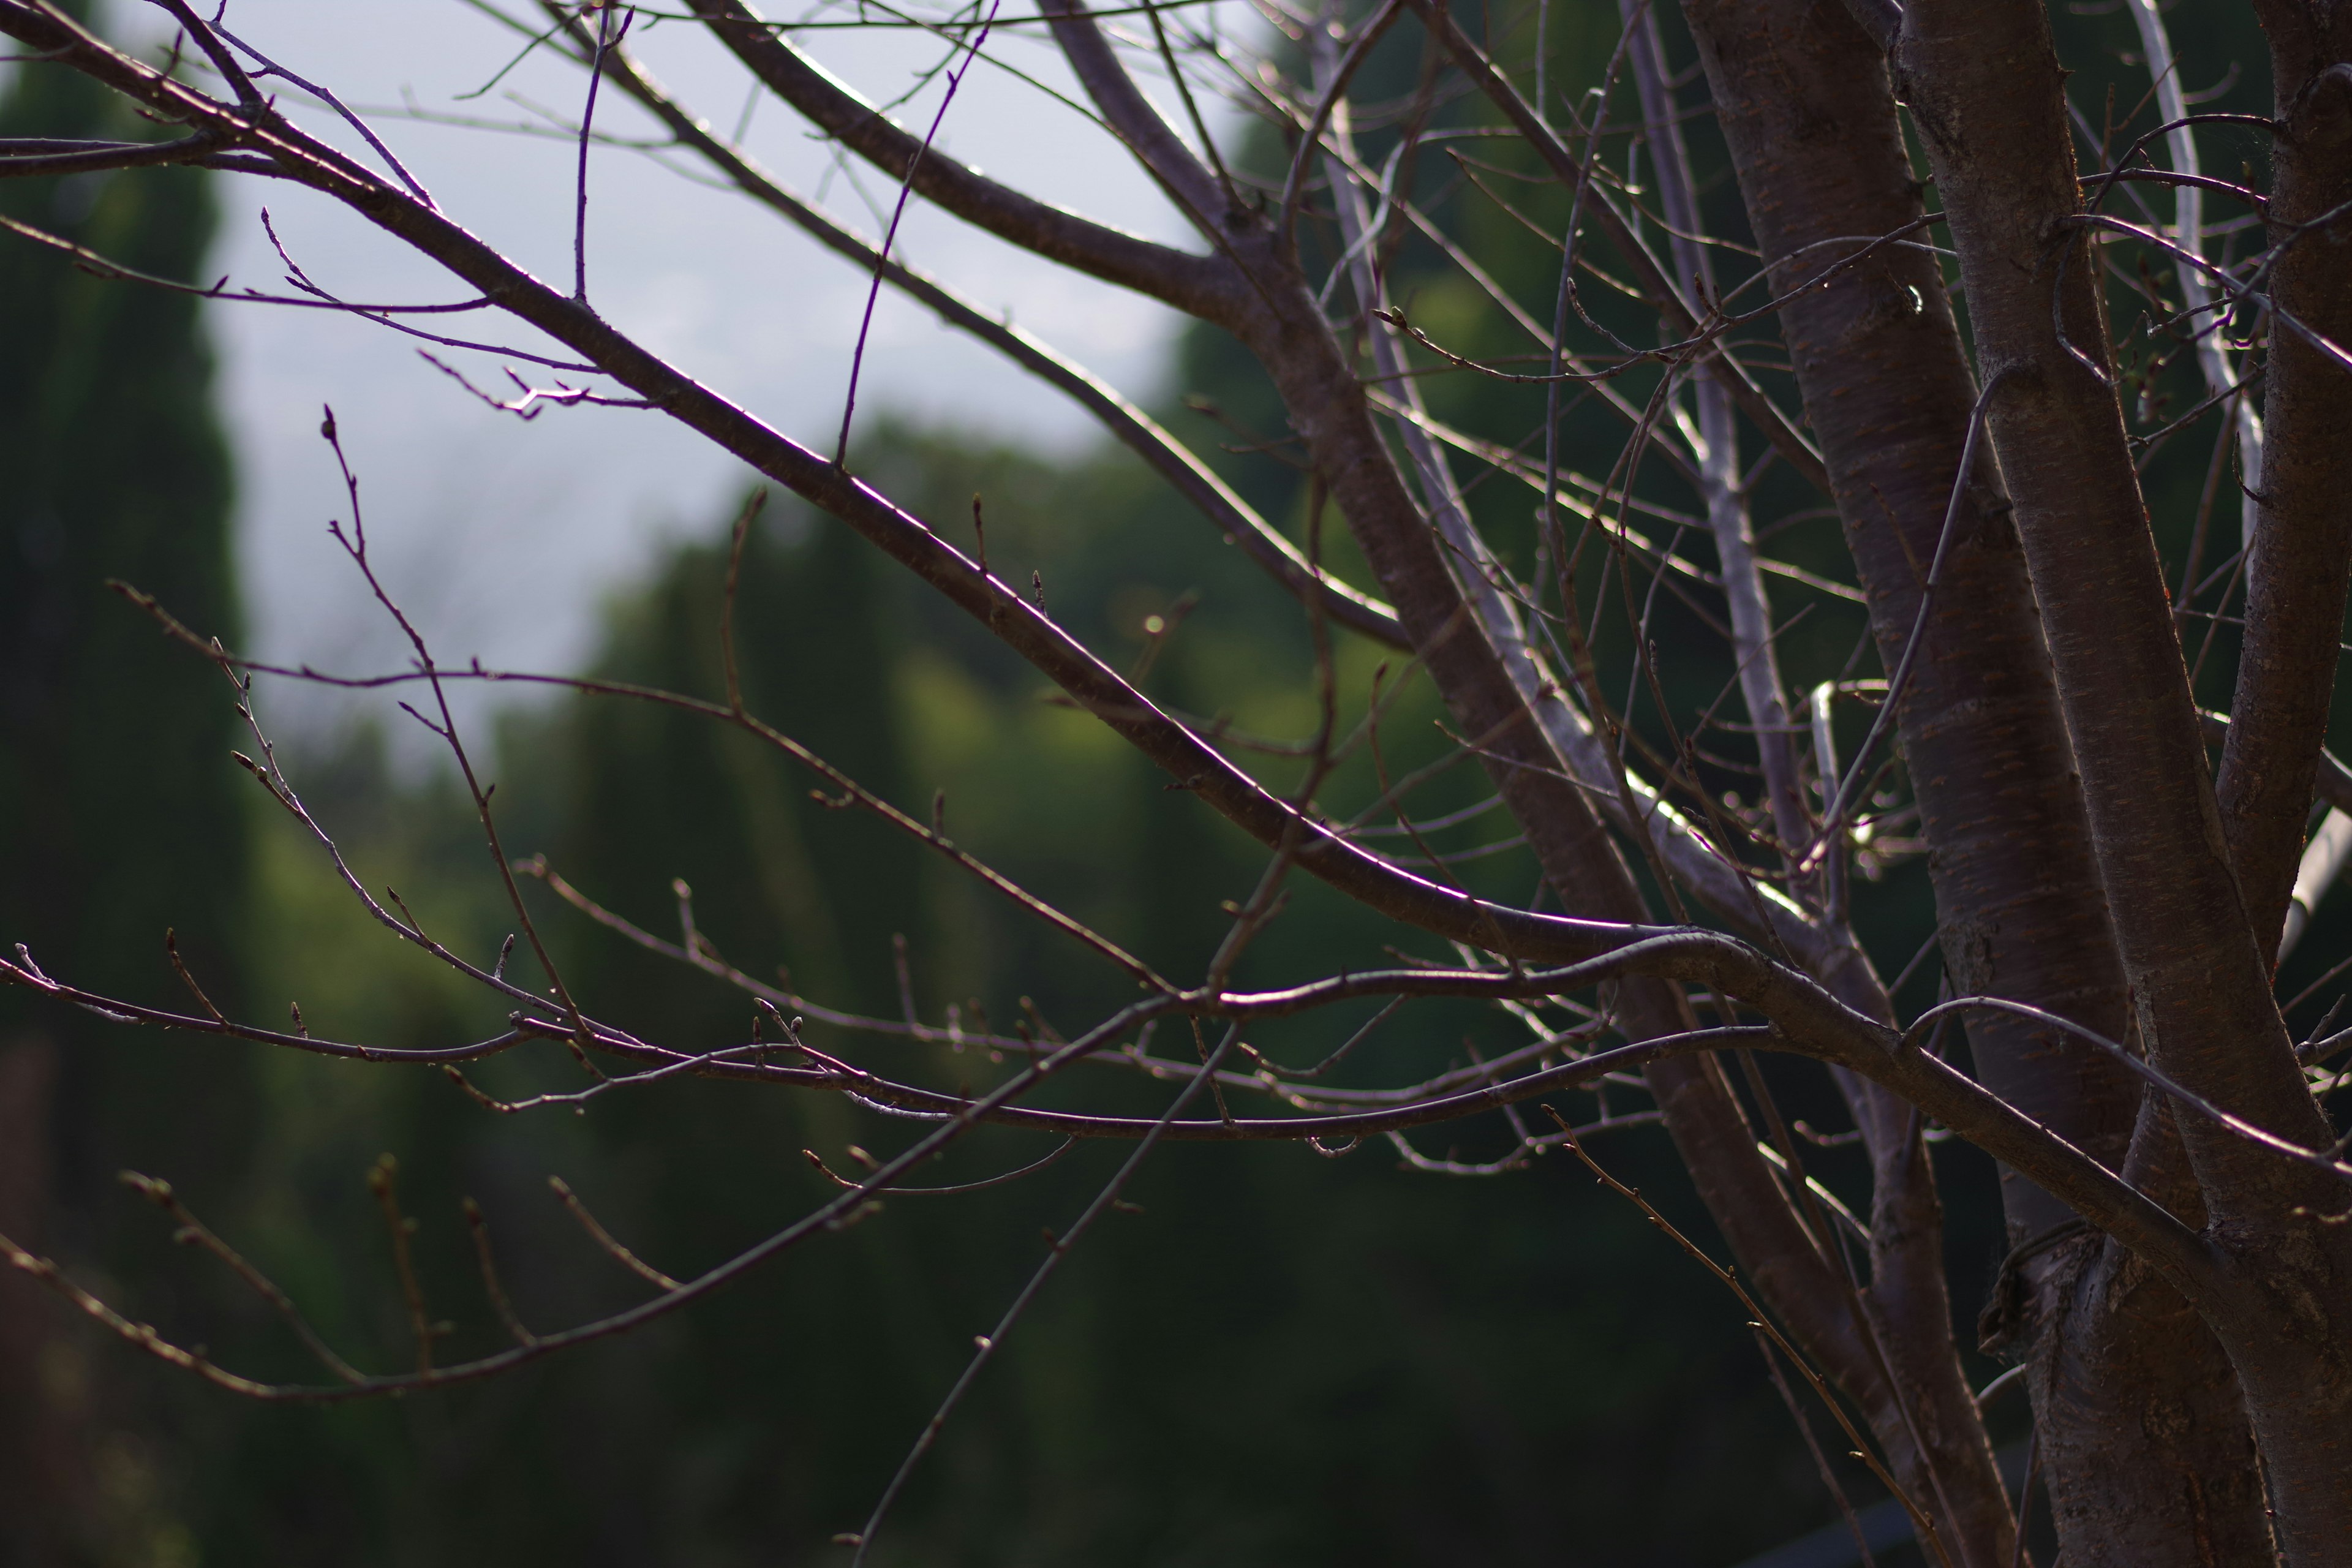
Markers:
point(2144, 1443)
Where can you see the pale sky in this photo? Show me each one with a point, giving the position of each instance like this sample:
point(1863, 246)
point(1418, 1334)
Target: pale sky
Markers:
point(503, 537)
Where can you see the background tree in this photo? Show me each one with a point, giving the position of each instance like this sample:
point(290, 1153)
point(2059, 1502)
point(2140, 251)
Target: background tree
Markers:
point(120, 828)
point(1408, 1365)
point(2108, 916)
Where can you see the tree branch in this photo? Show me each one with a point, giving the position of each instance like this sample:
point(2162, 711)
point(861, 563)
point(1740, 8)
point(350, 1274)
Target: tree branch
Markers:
point(1206, 200)
point(1986, 91)
point(1200, 285)
point(1170, 459)
point(1648, 274)
point(2301, 550)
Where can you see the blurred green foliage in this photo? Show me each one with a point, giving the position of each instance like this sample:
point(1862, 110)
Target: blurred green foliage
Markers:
point(120, 824)
point(117, 821)
point(1283, 1358)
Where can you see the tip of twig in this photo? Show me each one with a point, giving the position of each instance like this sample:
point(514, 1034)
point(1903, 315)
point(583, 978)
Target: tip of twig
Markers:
point(153, 1188)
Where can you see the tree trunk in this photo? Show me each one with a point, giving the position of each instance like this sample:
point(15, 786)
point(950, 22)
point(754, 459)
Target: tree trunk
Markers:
point(2296, 574)
point(1805, 105)
point(1986, 91)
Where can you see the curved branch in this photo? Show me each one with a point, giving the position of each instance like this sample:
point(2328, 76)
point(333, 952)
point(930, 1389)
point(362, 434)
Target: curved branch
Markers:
point(1806, 1021)
point(1133, 116)
point(23, 157)
point(1203, 286)
point(1010, 616)
point(1170, 459)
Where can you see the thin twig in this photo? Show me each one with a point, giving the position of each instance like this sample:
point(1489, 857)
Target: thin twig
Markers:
point(889, 236)
point(195, 1232)
point(607, 36)
point(480, 1227)
point(986, 1344)
point(1761, 1324)
point(382, 1182)
point(603, 1238)
point(752, 504)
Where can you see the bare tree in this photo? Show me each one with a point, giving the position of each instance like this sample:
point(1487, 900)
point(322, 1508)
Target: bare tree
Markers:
point(2112, 907)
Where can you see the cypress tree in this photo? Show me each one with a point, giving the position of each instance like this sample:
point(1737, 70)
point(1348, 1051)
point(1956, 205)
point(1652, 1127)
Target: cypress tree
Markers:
point(117, 816)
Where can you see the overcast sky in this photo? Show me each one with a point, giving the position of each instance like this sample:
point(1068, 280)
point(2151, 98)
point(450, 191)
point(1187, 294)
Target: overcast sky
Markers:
point(503, 538)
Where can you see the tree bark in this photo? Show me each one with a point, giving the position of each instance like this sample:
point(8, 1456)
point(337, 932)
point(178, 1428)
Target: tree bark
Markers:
point(1200, 285)
point(1985, 88)
point(1792, 1273)
point(1917, 1405)
point(2302, 545)
point(2126, 1374)
point(1257, 285)
point(1804, 103)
